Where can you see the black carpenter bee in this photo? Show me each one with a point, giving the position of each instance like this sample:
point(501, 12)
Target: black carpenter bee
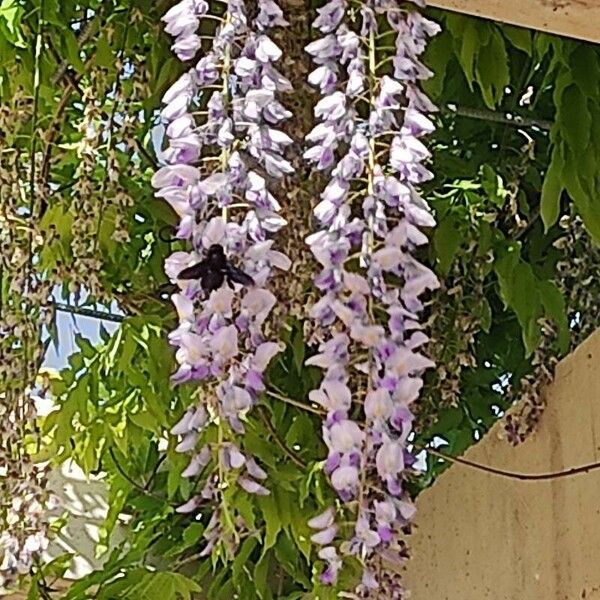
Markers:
point(214, 270)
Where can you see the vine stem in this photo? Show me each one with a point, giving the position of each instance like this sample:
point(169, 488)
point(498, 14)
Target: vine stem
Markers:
point(512, 474)
point(293, 457)
point(224, 159)
point(140, 488)
point(225, 91)
point(595, 466)
point(295, 403)
point(371, 244)
point(224, 504)
point(492, 116)
point(89, 312)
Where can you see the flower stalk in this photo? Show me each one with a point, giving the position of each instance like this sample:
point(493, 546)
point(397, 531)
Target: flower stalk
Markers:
point(371, 307)
point(219, 158)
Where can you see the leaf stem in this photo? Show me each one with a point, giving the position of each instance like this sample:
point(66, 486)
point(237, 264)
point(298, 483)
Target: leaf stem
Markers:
point(295, 403)
point(134, 483)
point(293, 457)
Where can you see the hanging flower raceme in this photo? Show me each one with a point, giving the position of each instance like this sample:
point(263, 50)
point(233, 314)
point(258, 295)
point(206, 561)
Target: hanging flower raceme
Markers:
point(221, 122)
point(25, 498)
point(372, 117)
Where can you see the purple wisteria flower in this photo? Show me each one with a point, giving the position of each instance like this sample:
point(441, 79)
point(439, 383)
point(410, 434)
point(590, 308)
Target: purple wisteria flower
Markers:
point(369, 138)
point(206, 177)
point(182, 22)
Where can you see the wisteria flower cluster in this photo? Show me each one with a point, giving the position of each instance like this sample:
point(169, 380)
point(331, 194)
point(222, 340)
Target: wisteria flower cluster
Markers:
point(26, 501)
point(222, 120)
point(372, 116)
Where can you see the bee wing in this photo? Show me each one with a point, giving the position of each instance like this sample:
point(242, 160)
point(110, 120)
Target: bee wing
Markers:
point(196, 271)
point(237, 275)
point(212, 280)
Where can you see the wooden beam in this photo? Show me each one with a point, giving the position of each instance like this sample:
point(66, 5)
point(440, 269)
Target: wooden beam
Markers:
point(572, 18)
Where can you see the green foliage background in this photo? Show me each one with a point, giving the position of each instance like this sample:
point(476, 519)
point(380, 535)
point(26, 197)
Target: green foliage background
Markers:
point(500, 192)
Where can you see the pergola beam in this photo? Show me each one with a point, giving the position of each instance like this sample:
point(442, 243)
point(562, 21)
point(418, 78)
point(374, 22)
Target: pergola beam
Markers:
point(572, 18)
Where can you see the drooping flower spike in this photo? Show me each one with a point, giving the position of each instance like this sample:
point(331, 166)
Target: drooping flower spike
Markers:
point(221, 121)
point(372, 116)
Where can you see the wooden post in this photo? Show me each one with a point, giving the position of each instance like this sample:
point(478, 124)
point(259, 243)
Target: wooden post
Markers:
point(572, 18)
point(479, 536)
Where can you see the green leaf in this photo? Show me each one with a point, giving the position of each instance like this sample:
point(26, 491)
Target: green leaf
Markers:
point(162, 585)
point(117, 496)
point(298, 348)
point(245, 507)
point(261, 572)
point(583, 200)
point(10, 17)
point(104, 54)
point(574, 118)
point(177, 464)
point(34, 590)
point(551, 191)
point(76, 362)
point(438, 55)
point(192, 533)
point(90, 450)
point(519, 37)
point(300, 530)
point(85, 346)
point(301, 433)
point(59, 565)
point(470, 43)
point(288, 558)
point(447, 420)
point(493, 185)
point(519, 291)
point(493, 74)
point(72, 50)
point(542, 43)
point(239, 566)
point(554, 305)
point(447, 239)
point(484, 312)
point(145, 420)
point(79, 396)
point(585, 70)
point(268, 506)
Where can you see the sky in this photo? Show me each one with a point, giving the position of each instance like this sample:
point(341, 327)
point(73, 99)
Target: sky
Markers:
point(69, 325)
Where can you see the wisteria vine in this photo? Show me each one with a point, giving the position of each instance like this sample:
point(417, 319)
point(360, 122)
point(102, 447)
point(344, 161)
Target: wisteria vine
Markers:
point(372, 115)
point(223, 144)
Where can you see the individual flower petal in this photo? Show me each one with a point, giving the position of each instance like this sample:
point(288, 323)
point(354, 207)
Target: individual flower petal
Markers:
point(322, 521)
point(183, 425)
point(267, 50)
point(390, 460)
point(190, 506)
point(332, 395)
point(252, 487)
point(324, 537)
point(345, 480)
point(264, 353)
point(225, 342)
point(254, 470)
point(198, 462)
point(187, 443)
point(378, 404)
point(345, 436)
